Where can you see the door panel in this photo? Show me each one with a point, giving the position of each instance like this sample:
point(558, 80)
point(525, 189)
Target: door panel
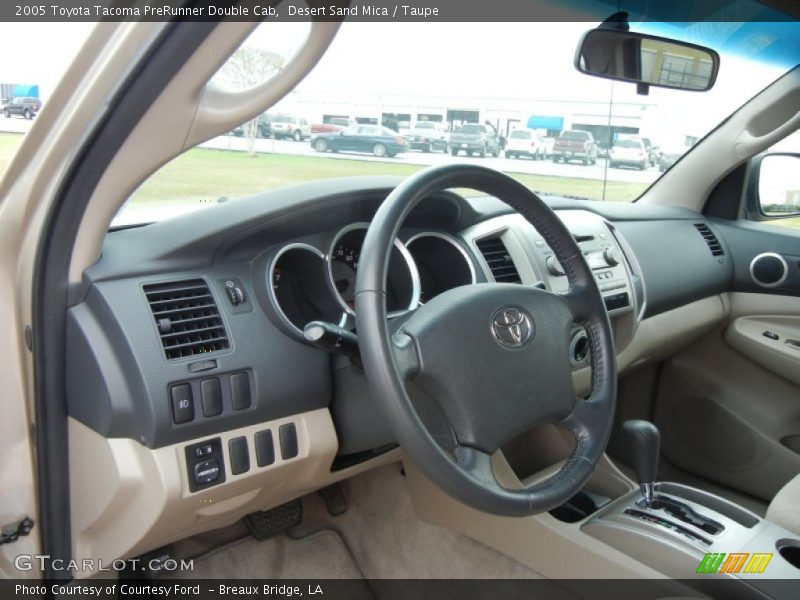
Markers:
point(771, 342)
point(729, 406)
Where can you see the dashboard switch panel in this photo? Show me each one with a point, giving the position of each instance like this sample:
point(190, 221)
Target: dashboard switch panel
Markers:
point(288, 437)
point(265, 448)
point(240, 391)
point(182, 403)
point(239, 455)
point(205, 465)
point(211, 393)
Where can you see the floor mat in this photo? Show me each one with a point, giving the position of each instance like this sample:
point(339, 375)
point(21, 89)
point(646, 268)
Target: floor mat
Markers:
point(320, 555)
point(389, 542)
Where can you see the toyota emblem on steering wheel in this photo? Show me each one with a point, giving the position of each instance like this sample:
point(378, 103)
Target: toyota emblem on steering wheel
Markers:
point(511, 327)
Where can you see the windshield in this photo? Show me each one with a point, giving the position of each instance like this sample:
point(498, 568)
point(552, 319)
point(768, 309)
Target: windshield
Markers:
point(476, 91)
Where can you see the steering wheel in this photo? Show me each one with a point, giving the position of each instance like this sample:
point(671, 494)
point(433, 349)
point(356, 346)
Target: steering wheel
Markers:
point(493, 355)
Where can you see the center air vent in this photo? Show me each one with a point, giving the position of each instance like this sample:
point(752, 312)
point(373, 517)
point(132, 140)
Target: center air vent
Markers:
point(500, 263)
point(187, 318)
point(711, 239)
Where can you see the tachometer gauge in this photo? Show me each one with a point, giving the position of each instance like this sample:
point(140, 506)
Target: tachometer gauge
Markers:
point(276, 278)
point(298, 290)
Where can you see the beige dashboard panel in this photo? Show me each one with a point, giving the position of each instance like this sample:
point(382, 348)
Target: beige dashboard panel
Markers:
point(128, 499)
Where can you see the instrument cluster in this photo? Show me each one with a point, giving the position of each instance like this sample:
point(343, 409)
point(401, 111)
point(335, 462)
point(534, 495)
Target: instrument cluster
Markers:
point(307, 283)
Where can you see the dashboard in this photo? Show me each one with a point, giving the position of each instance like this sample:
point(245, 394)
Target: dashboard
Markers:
point(224, 294)
point(186, 353)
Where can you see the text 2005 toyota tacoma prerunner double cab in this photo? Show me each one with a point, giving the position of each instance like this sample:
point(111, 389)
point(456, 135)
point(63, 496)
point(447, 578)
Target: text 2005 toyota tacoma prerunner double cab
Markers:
point(262, 362)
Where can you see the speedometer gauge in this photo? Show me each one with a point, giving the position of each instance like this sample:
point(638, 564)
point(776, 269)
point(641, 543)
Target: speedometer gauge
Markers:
point(402, 285)
point(344, 264)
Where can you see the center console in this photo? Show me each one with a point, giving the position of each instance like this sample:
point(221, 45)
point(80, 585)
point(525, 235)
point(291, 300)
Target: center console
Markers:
point(679, 530)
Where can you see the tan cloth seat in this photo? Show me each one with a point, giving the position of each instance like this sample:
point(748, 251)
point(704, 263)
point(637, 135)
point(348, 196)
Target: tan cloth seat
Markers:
point(784, 510)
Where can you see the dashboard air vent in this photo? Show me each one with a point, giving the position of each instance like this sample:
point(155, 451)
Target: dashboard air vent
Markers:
point(501, 265)
point(187, 318)
point(711, 239)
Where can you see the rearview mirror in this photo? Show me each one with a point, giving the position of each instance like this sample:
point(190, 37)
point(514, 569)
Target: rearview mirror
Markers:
point(779, 185)
point(648, 60)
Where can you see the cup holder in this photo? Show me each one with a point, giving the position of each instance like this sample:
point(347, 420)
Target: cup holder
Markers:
point(790, 551)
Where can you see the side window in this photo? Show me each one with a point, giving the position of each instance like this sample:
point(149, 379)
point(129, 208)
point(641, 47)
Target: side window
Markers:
point(778, 190)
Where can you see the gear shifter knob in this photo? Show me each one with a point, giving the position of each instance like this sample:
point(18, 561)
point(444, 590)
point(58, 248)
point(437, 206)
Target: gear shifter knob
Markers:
point(645, 442)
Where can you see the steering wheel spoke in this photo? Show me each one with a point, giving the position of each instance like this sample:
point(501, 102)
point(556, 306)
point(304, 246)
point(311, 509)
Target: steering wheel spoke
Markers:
point(477, 463)
point(576, 298)
point(405, 355)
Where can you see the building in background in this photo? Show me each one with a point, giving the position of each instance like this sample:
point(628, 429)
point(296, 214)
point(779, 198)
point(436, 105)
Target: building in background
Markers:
point(17, 90)
point(548, 117)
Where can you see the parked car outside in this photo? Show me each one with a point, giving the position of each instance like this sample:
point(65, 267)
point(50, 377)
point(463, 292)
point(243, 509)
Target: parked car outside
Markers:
point(427, 136)
point(574, 144)
point(333, 125)
point(669, 156)
point(290, 127)
point(264, 126)
point(652, 151)
point(475, 138)
point(375, 139)
point(23, 106)
point(527, 143)
point(548, 143)
point(630, 152)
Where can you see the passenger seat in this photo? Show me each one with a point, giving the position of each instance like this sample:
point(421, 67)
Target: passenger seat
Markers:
point(783, 510)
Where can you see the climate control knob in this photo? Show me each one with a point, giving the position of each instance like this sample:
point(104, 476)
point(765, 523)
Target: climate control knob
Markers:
point(612, 256)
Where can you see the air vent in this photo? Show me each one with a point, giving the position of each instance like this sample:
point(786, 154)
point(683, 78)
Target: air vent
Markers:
point(187, 318)
point(711, 239)
point(500, 263)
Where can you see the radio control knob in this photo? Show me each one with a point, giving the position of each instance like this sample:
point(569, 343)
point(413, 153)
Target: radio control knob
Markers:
point(612, 256)
point(554, 266)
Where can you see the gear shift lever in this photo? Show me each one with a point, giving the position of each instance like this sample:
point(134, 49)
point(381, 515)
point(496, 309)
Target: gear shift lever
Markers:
point(645, 441)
